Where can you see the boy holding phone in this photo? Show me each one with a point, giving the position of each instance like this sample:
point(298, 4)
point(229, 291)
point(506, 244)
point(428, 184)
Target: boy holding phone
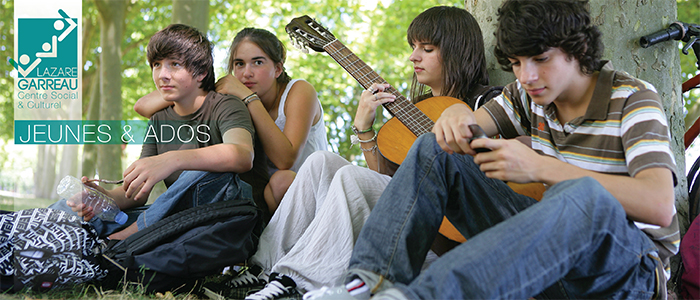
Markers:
point(605, 228)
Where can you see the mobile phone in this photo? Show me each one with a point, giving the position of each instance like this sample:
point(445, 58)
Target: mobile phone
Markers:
point(478, 133)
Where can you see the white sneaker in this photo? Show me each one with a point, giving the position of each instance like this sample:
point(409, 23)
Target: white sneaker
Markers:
point(248, 277)
point(338, 293)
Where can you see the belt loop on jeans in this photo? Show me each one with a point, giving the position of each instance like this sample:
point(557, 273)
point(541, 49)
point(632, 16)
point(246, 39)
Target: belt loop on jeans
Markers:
point(657, 277)
point(376, 287)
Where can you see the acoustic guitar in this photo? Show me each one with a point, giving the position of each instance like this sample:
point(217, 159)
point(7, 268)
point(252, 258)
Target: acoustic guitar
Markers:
point(409, 120)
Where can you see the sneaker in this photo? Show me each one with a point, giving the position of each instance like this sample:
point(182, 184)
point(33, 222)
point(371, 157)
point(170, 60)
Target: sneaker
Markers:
point(356, 289)
point(279, 287)
point(249, 276)
point(325, 293)
point(236, 286)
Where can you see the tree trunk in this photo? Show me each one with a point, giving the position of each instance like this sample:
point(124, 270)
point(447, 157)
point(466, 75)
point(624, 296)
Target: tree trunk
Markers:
point(91, 103)
point(622, 23)
point(192, 12)
point(111, 33)
point(45, 172)
point(89, 161)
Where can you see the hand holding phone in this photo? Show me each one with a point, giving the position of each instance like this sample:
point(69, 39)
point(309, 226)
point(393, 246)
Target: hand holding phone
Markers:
point(478, 133)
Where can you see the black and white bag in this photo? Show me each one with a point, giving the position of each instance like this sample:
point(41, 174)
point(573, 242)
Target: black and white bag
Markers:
point(43, 249)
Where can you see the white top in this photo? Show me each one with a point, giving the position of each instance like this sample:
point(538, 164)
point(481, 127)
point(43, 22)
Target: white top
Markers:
point(316, 139)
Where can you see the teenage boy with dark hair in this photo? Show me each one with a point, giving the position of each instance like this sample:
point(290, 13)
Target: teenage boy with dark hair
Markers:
point(600, 142)
point(182, 65)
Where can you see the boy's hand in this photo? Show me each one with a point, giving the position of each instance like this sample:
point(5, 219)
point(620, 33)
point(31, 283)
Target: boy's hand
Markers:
point(509, 160)
point(145, 173)
point(230, 85)
point(452, 129)
point(81, 209)
point(76, 201)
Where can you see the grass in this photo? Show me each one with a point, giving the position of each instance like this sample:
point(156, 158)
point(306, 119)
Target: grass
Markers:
point(89, 291)
point(18, 203)
point(125, 291)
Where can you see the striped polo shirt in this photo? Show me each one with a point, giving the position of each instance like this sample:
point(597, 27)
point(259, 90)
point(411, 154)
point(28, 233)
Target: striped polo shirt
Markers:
point(623, 132)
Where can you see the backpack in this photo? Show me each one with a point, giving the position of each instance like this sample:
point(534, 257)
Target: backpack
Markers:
point(694, 190)
point(179, 251)
point(43, 249)
point(689, 285)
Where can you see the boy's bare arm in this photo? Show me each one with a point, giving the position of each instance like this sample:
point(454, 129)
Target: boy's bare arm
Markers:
point(235, 154)
point(647, 197)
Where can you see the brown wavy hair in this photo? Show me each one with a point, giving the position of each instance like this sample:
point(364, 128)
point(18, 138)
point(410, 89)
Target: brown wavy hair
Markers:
point(187, 44)
point(531, 27)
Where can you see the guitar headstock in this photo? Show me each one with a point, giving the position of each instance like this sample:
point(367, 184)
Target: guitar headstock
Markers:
point(307, 33)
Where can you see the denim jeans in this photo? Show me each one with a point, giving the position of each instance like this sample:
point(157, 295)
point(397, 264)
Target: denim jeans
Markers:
point(192, 188)
point(576, 241)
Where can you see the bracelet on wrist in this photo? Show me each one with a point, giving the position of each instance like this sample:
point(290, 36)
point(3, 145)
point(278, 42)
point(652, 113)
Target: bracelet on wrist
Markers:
point(371, 149)
point(250, 98)
point(354, 139)
point(357, 131)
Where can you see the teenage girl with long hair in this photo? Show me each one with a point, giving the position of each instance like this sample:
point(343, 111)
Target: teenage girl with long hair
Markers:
point(309, 240)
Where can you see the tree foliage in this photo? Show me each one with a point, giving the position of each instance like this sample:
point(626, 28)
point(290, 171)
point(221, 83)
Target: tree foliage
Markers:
point(7, 48)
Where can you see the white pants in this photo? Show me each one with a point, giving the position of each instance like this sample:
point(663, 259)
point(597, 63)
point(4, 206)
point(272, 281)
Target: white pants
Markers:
point(311, 235)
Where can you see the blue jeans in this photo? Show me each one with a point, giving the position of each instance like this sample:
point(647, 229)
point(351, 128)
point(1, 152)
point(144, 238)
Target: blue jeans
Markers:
point(195, 188)
point(577, 241)
point(192, 188)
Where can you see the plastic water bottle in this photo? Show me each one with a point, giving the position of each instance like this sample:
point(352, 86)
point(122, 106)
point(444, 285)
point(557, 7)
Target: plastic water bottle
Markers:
point(103, 206)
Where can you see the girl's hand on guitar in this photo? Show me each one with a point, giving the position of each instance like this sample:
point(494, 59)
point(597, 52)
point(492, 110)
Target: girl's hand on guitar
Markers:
point(452, 129)
point(367, 108)
point(230, 85)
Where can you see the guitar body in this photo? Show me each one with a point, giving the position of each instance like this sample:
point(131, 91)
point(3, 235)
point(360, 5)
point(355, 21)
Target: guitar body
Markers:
point(394, 138)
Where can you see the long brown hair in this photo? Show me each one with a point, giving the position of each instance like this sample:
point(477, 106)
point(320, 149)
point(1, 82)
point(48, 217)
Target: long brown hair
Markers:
point(458, 36)
point(268, 42)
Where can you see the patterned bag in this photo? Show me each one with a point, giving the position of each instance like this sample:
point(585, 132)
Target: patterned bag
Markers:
point(42, 249)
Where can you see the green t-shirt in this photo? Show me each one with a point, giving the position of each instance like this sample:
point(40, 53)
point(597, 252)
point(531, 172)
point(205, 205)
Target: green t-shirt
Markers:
point(169, 131)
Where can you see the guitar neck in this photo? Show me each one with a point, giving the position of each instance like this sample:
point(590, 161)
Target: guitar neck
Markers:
point(402, 109)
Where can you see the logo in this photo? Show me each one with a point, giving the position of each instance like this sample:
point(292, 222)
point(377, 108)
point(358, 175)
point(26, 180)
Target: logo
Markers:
point(47, 48)
point(47, 60)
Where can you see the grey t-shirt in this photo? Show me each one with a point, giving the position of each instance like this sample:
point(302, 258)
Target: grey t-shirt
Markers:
point(169, 131)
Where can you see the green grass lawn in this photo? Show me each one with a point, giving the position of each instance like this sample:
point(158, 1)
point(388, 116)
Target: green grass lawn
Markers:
point(84, 292)
point(17, 203)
